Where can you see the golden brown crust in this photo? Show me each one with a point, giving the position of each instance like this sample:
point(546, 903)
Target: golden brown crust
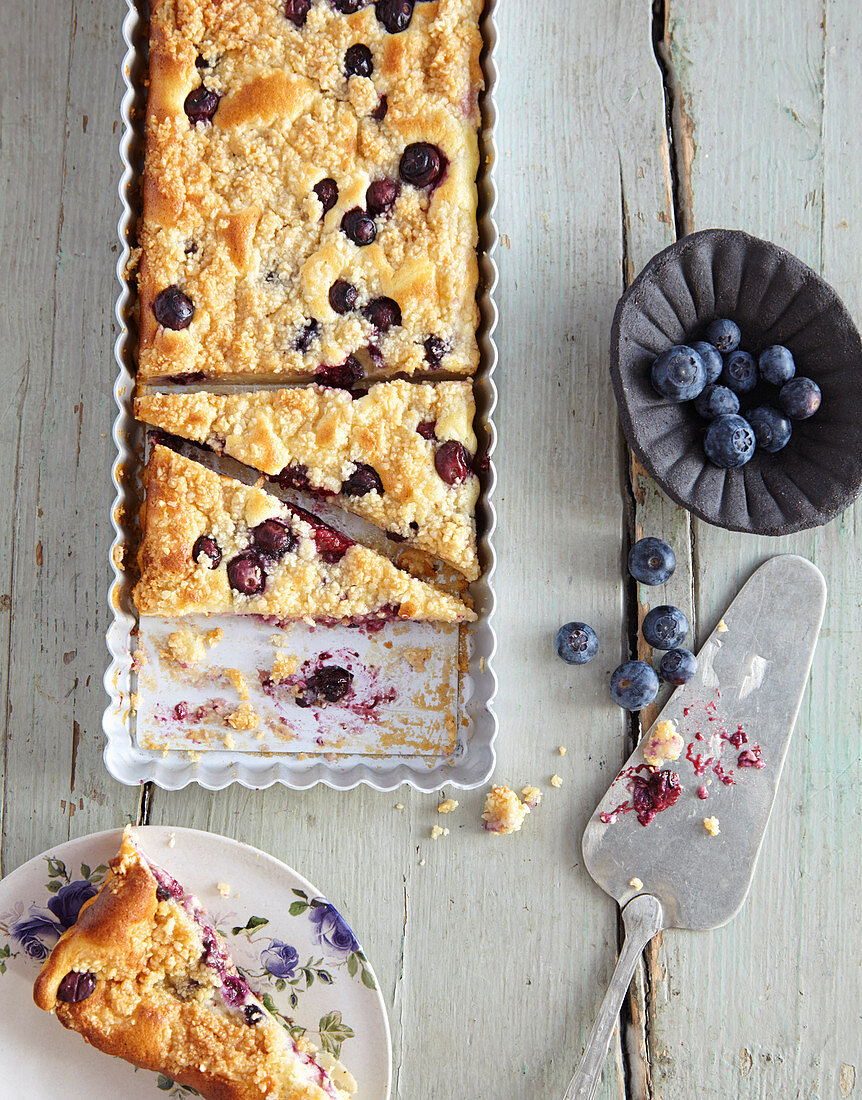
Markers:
point(230, 212)
point(185, 501)
point(328, 433)
point(157, 1002)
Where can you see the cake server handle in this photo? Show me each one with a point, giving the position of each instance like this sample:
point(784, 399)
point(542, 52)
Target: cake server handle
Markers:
point(642, 919)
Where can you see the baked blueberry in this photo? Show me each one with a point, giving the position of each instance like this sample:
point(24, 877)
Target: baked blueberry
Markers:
point(380, 196)
point(364, 479)
point(306, 335)
point(664, 627)
point(713, 364)
point(435, 348)
point(253, 1015)
point(342, 376)
point(343, 296)
point(348, 7)
point(678, 373)
point(379, 112)
point(729, 441)
point(201, 104)
point(274, 538)
point(173, 309)
point(358, 60)
point(799, 398)
point(293, 477)
point(358, 226)
point(245, 573)
point(740, 372)
point(327, 192)
point(634, 685)
point(383, 313)
point(395, 15)
point(771, 428)
point(576, 643)
point(206, 551)
point(422, 164)
point(427, 428)
point(452, 462)
point(776, 365)
point(715, 401)
point(677, 666)
point(652, 561)
point(723, 334)
point(76, 987)
point(297, 11)
point(331, 683)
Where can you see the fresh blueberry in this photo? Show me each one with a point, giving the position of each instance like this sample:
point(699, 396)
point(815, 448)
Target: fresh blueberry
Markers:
point(358, 60)
point(422, 164)
point(364, 479)
point(358, 226)
point(664, 627)
point(76, 987)
point(651, 561)
point(383, 313)
point(799, 398)
point(245, 573)
point(776, 365)
point(576, 643)
point(729, 441)
point(274, 538)
point(435, 348)
point(723, 334)
point(297, 11)
point(634, 685)
point(342, 376)
point(380, 196)
point(201, 104)
point(452, 462)
point(206, 551)
point(395, 15)
point(771, 428)
point(740, 372)
point(716, 401)
point(678, 373)
point(306, 335)
point(713, 364)
point(677, 666)
point(327, 193)
point(343, 296)
point(173, 309)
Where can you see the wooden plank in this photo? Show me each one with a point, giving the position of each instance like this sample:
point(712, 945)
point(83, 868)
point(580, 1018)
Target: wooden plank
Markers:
point(59, 86)
point(767, 990)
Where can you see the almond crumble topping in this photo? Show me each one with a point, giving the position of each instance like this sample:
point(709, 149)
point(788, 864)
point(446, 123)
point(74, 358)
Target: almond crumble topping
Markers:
point(447, 806)
point(532, 796)
point(238, 681)
point(243, 718)
point(223, 888)
point(711, 825)
point(504, 812)
point(636, 884)
point(556, 780)
point(283, 666)
point(665, 743)
point(722, 627)
point(436, 832)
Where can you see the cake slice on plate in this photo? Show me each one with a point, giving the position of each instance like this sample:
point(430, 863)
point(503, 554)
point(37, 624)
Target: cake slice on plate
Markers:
point(213, 545)
point(144, 975)
point(400, 455)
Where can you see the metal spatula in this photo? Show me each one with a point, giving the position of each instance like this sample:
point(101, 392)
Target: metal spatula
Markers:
point(743, 701)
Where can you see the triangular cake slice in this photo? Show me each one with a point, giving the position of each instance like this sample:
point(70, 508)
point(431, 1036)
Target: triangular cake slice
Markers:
point(400, 455)
point(144, 975)
point(212, 545)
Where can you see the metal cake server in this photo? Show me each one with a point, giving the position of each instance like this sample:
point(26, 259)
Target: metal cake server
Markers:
point(743, 701)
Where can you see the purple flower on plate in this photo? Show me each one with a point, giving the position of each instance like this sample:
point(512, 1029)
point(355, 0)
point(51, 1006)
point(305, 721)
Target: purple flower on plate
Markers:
point(280, 959)
point(67, 902)
point(332, 930)
point(29, 930)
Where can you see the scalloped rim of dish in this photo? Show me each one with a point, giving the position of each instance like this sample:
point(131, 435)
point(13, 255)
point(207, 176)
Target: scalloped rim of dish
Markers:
point(123, 758)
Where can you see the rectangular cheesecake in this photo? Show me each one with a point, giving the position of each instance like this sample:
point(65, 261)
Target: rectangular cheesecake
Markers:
point(310, 198)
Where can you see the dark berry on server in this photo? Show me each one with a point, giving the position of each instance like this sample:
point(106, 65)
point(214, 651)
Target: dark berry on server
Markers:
point(772, 429)
point(634, 685)
point(576, 643)
point(331, 683)
point(729, 441)
point(422, 164)
point(723, 334)
point(652, 561)
point(776, 365)
point(713, 364)
point(678, 373)
point(740, 372)
point(358, 60)
point(677, 666)
point(664, 627)
point(173, 309)
point(715, 401)
point(358, 226)
point(799, 398)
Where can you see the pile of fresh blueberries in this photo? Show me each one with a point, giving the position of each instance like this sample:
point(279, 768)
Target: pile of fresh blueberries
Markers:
point(635, 683)
point(716, 374)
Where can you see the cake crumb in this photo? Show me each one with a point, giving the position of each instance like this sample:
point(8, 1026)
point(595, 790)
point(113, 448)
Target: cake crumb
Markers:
point(185, 647)
point(194, 755)
point(229, 741)
point(636, 884)
point(239, 682)
point(223, 888)
point(665, 743)
point(532, 796)
point(436, 832)
point(722, 627)
point(399, 805)
point(283, 666)
point(213, 636)
point(172, 840)
point(556, 780)
point(421, 862)
point(139, 659)
point(416, 657)
point(561, 749)
point(243, 718)
point(504, 812)
point(133, 702)
point(447, 806)
point(711, 825)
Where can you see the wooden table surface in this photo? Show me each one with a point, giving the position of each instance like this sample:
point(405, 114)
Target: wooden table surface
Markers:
point(621, 128)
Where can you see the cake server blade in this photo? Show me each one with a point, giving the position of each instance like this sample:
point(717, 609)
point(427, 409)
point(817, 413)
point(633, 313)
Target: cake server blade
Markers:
point(736, 716)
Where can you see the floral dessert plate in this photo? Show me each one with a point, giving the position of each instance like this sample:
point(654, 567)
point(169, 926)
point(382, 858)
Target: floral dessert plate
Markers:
point(295, 948)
